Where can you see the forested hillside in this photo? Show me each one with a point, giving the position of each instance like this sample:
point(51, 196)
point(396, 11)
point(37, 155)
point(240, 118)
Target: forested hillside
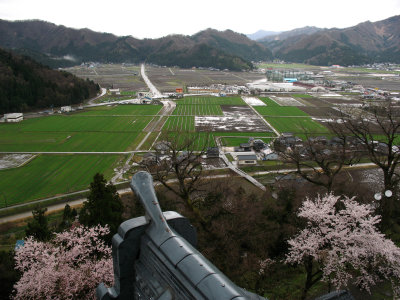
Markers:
point(26, 85)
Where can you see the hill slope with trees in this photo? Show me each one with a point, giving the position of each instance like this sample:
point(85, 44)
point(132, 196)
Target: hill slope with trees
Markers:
point(26, 85)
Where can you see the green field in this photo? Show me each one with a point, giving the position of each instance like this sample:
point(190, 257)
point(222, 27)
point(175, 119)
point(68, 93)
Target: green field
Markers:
point(197, 110)
point(287, 111)
point(269, 102)
point(296, 125)
point(79, 123)
point(212, 101)
point(66, 142)
point(133, 110)
point(128, 93)
point(49, 175)
point(179, 124)
point(77, 132)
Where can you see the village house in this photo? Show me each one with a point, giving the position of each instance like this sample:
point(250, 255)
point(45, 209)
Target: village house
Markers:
point(250, 159)
point(13, 117)
point(66, 108)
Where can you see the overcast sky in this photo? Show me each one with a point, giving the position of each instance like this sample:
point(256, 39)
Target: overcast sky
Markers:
point(156, 18)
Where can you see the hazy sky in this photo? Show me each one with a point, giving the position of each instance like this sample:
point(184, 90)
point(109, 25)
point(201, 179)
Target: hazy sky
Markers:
point(154, 18)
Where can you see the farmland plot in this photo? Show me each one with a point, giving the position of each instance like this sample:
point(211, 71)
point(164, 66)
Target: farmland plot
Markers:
point(212, 101)
point(121, 110)
point(80, 123)
point(269, 102)
point(289, 111)
point(287, 101)
point(236, 118)
point(296, 125)
point(177, 123)
point(199, 110)
point(49, 175)
point(253, 101)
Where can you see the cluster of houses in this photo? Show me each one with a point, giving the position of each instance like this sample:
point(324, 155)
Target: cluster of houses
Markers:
point(219, 89)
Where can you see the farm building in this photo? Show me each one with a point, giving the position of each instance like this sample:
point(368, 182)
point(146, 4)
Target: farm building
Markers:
point(114, 92)
point(13, 117)
point(247, 159)
point(66, 108)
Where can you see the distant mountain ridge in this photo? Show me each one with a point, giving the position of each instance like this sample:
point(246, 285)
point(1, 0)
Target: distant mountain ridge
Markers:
point(363, 43)
point(62, 46)
point(209, 48)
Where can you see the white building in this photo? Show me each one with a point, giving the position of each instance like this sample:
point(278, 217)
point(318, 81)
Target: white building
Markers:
point(66, 108)
point(13, 117)
point(114, 91)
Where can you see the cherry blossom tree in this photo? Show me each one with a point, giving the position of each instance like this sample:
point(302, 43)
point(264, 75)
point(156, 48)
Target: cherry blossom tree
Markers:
point(341, 244)
point(70, 266)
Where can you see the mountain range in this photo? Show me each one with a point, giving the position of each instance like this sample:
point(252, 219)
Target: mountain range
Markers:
point(364, 43)
point(60, 46)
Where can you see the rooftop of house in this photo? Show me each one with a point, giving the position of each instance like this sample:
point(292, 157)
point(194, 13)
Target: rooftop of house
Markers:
point(247, 157)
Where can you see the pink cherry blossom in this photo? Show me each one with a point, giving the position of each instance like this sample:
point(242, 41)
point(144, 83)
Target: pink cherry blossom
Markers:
point(70, 266)
point(346, 243)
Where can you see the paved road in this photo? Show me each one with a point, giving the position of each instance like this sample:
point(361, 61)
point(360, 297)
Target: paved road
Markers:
point(103, 92)
point(152, 88)
point(236, 169)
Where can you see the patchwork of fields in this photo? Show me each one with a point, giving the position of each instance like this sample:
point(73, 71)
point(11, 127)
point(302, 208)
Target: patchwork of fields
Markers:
point(121, 128)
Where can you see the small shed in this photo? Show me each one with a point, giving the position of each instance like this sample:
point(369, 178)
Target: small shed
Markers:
point(13, 117)
point(247, 159)
point(66, 108)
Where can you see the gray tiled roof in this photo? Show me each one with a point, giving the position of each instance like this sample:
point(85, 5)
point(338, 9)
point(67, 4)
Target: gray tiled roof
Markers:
point(154, 258)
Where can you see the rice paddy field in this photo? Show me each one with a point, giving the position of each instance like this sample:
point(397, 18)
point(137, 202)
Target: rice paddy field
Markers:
point(66, 141)
point(179, 124)
point(297, 125)
point(118, 110)
point(51, 175)
point(197, 110)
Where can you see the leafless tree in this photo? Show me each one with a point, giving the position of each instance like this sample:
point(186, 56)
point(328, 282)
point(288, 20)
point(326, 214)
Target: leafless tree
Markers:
point(177, 164)
point(377, 128)
point(317, 160)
